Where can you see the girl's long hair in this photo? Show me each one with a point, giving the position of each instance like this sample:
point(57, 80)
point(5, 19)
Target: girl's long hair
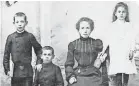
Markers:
point(121, 4)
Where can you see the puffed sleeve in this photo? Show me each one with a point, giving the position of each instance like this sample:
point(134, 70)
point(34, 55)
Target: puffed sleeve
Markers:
point(69, 62)
point(7, 54)
point(99, 45)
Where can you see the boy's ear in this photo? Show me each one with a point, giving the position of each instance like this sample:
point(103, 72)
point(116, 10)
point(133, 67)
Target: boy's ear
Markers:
point(26, 22)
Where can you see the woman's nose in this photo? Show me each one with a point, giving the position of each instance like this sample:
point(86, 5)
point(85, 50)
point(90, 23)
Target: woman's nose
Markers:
point(85, 31)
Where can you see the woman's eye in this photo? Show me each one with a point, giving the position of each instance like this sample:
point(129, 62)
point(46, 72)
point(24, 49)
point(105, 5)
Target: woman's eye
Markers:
point(49, 54)
point(123, 11)
point(82, 27)
point(87, 27)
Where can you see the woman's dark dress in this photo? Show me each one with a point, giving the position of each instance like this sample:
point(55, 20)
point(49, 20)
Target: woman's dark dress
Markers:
point(85, 52)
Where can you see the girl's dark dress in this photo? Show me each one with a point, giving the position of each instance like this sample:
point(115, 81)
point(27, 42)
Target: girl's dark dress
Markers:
point(85, 52)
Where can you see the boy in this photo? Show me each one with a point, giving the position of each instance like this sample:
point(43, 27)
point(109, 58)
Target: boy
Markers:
point(50, 74)
point(19, 44)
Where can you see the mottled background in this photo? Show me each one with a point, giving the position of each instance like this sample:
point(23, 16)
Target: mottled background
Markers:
point(53, 23)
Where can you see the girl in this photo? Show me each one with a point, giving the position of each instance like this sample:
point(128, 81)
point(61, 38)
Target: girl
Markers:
point(85, 50)
point(119, 41)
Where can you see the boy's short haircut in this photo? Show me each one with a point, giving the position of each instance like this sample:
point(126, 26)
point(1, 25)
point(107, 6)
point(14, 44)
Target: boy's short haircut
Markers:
point(48, 48)
point(20, 14)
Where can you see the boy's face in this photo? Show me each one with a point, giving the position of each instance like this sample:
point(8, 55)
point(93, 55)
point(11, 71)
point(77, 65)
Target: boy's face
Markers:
point(20, 23)
point(47, 56)
point(121, 13)
point(84, 29)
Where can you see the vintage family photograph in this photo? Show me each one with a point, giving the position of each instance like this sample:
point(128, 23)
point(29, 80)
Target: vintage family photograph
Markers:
point(69, 43)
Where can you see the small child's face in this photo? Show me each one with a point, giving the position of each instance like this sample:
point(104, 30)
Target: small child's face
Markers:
point(84, 29)
point(20, 23)
point(47, 56)
point(121, 13)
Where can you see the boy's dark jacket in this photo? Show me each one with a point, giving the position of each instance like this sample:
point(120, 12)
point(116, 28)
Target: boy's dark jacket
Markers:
point(19, 45)
point(50, 75)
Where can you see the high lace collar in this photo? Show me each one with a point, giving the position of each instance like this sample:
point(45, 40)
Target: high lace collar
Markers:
point(84, 39)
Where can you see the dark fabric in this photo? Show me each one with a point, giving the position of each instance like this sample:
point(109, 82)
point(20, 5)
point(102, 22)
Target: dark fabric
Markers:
point(87, 81)
point(23, 70)
point(85, 52)
point(19, 45)
point(50, 75)
point(21, 81)
point(105, 78)
point(117, 80)
point(87, 71)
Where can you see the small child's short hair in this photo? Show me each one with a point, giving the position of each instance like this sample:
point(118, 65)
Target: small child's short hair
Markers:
point(48, 48)
point(20, 14)
point(90, 21)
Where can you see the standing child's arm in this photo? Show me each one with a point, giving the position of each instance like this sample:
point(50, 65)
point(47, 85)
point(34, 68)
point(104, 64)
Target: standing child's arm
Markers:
point(37, 48)
point(59, 78)
point(7, 55)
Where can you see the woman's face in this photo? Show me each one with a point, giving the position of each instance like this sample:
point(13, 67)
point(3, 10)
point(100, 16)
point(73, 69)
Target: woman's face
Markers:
point(121, 13)
point(84, 29)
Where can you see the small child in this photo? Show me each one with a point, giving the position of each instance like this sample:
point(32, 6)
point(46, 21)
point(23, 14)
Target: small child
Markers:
point(50, 74)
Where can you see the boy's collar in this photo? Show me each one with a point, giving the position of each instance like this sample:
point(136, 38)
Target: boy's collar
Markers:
point(20, 32)
point(47, 63)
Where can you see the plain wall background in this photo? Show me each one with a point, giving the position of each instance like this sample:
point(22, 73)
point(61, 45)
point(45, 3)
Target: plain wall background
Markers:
point(53, 23)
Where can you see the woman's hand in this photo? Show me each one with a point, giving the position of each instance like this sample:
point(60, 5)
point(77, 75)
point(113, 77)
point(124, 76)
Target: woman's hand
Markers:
point(72, 80)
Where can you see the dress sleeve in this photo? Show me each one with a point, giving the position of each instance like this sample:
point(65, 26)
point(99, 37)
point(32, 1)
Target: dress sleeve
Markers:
point(7, 52)
point(59, 77)
point(69, 62)
point(37, 48)
point(99, 45)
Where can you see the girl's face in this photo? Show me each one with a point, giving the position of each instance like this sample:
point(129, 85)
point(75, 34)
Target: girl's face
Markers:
point(121, 13)
point(84, 29)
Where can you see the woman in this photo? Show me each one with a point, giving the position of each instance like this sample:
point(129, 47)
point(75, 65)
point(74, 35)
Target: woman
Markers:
point(85, 51)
